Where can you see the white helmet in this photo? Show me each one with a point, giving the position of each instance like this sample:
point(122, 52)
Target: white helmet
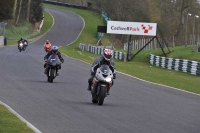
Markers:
point(107, 54)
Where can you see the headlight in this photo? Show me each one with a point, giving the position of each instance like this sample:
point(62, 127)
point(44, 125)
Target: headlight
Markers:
point(108, 79)
point(21, 44)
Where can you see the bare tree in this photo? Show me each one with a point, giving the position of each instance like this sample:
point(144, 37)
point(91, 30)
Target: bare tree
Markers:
point(28, 10)
point(184, 6)
point(19, 11)
point(14, 9)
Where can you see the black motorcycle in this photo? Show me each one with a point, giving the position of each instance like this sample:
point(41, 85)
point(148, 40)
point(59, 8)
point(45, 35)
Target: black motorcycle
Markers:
point(102, 81)
point(53, 63)
point(20, 46)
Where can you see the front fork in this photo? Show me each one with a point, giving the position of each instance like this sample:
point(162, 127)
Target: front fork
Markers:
point(96, 83)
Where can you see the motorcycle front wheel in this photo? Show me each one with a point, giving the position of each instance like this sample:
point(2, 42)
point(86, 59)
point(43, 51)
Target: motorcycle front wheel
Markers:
point(52, 75)
point(102, 95)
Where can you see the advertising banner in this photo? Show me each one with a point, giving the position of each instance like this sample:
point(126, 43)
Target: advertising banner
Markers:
point(131, 28)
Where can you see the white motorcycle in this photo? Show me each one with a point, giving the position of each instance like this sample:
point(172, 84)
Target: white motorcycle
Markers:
point(101, 84)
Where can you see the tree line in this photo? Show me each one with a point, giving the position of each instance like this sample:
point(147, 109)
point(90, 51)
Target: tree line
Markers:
point(15, 11)
point(170, 15)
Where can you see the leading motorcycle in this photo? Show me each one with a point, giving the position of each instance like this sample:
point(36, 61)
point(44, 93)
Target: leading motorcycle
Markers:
point(101, 84)
point(53, 63)
point(20, 46)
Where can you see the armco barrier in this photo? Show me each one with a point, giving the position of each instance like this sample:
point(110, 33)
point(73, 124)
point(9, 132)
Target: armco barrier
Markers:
point(99, 50)
point(192, 67)
point(105, 17)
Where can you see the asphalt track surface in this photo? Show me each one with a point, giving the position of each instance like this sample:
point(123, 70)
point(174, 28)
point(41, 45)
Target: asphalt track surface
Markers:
point(65, 106)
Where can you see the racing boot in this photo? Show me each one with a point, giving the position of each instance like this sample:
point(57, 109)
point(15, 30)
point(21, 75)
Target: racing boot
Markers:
point(108, 89)
point(89, 84)
point(45, 71)
point(57, 74)
point(108, 92)
point(89, 87)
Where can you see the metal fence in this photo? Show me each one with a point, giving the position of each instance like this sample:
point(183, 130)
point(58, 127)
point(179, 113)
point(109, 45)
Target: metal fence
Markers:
point(139, 43)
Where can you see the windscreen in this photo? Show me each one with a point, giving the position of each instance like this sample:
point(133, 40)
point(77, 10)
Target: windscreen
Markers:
point(53, 60)
point(105, 69)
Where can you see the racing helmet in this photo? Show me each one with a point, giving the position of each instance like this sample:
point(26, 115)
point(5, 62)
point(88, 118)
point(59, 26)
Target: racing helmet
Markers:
point(107, 54)
point(47, 42)
point(54, 49)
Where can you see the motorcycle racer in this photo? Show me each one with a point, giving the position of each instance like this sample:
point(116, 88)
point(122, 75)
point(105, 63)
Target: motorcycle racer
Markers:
point(106, 58)
point(47, 45)
point(54, 50)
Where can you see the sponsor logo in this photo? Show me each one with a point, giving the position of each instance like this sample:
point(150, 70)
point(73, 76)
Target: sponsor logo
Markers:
point(146, 29)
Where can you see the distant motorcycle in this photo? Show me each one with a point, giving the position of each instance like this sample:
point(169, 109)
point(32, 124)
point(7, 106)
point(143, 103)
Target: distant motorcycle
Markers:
point(47, 48)
point(20, 46)
point(53, 63)
point(102, 81)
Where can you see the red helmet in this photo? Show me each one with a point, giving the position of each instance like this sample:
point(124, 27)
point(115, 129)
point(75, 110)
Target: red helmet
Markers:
point(107, 54)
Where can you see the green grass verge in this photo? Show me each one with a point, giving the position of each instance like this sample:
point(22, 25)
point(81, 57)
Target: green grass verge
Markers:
point(139, 66)
point(9, 123)
point(14, 33)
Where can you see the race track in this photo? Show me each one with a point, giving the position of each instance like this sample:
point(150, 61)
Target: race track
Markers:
point(65, 106)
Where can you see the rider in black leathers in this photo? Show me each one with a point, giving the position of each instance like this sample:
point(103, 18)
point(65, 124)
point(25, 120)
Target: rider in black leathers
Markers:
point(106, 58)
point(23, 41)
point(54, 50)
point(20, 40)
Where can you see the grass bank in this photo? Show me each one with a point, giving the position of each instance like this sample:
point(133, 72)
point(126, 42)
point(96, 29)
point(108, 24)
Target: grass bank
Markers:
point(9, 123)
point(14, 33)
